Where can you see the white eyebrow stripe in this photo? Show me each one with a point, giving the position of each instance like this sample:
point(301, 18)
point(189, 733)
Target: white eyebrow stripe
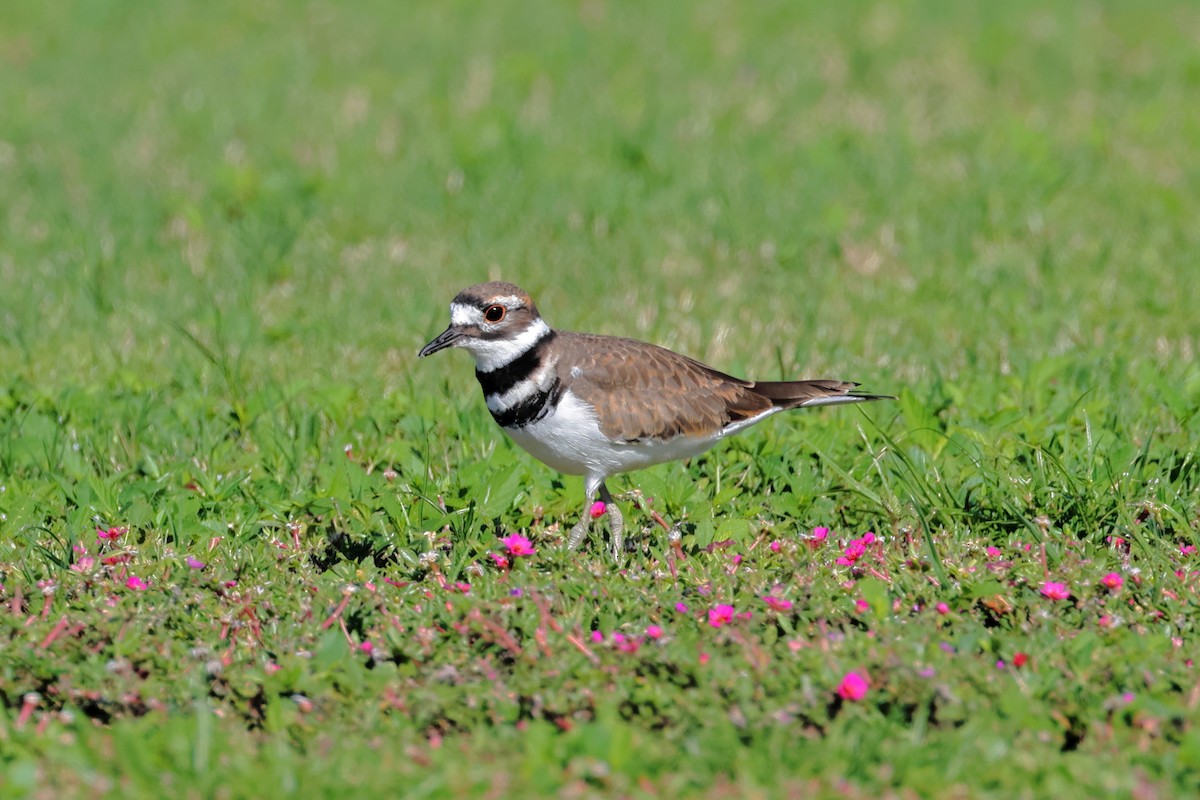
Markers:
point(465, 315)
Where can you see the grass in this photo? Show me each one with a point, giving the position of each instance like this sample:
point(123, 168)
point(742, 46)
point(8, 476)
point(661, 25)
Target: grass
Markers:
point(225, 231)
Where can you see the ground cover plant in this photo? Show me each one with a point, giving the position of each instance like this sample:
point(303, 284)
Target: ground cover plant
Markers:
point(250, 547)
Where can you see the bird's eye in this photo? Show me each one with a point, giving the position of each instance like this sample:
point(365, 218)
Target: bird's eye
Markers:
point(493, 313)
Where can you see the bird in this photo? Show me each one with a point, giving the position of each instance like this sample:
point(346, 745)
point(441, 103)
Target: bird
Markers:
point(595, 406)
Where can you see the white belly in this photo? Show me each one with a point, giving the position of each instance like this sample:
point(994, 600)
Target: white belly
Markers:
point(570, 441)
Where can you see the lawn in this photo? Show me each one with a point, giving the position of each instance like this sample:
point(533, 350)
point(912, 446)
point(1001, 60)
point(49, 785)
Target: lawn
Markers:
point(250, 546)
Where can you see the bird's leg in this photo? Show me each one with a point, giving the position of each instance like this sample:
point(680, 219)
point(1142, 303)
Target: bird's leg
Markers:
point(580, 531)
point(616, 522)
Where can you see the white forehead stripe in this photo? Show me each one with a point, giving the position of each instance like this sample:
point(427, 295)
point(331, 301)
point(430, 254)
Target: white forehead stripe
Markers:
point(462, 314)
point(465, 315)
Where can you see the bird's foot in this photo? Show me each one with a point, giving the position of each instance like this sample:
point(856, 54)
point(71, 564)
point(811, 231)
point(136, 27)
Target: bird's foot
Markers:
point(578, 533)
point(616, 525)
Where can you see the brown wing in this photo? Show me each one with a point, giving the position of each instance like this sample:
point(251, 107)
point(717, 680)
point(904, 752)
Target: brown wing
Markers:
point(642, 391)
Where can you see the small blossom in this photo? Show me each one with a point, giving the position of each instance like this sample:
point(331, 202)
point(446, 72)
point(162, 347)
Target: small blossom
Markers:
point(366, 647)
point(1000, 664)
point(84, 565)
point(704, 658)
point(626, 644)
point(499, 559)
point(1112, 581)
point(720, 615)
point(992, 552)
point(1055, 590)
point(681, 607)
point(518, 545)
point(597, 509)
point(942, 609)
point(136, 583)
point(516, 592)
point(194, 563)
point(775, 546)
point(854, 686)
point(861, 606)
point(819, 535)
point(777, 603)
point(110, 534)
point(654, 631)
point(1187, 549)
point(597, 637)
point(1020, 659)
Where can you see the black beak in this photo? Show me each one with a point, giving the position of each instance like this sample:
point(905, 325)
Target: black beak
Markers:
point(447, 338)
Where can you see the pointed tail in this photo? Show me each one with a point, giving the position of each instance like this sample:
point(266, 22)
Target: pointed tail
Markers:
point(802, 394)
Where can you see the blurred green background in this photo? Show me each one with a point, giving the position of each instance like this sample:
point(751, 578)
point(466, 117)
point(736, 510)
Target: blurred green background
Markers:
point(886, 191)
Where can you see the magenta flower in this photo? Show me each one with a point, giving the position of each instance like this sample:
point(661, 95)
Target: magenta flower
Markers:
point(625, 644)
point(855, 550)
point(1112, 581)
point(681, 607)
point(1187, 549)
point(136, 583)
point(942, 609)
point(194, 563)
point(518, 545)
point(597, 509)
point(110, 534)
point(499, 559)
point(84, 564)
point(1055, 590)
point(861, 606)
point(720, 615)
point(597, 637)
point(854, 686)
point(992, 552)
point(654, 631)
point(777, 603)
point(819, 535)
point(775, 546)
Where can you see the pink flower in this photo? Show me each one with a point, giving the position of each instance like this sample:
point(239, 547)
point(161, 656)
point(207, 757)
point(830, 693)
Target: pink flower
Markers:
point(518, 545)
point(777, 603)
point(194, 563)
point(1112, 581)
point(819, 535)
point(597, 509)
point(704, 658)
point(1187, 549)
point(597, 637)
point(136, 583)
point(110, 534)
point(720, 615)
point(366, 647)
point(499, 559)
point(654, 631)
point(626, 644)
point(942, 609)
point(681, 607)
point(84, 564)
point(775, 546)
point(1055, 590)
point(861, 606)
point(854, 686)
point(992, 552)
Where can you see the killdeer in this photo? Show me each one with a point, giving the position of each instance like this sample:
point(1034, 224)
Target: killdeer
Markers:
point(599, 405)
